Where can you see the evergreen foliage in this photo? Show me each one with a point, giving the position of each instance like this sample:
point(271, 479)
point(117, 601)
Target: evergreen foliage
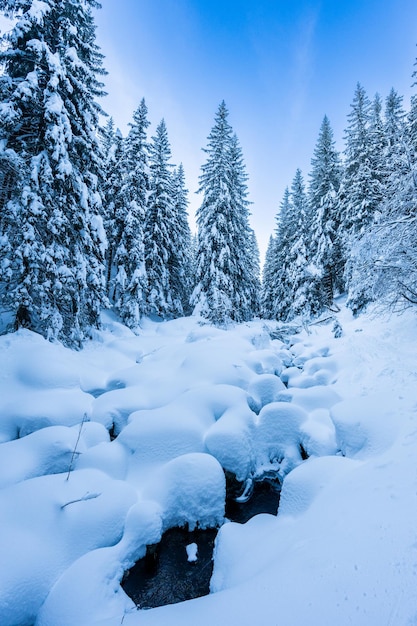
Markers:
point(225, 281)
point(160, 226)
point(362, 171)
point(326, 265)
point(129, 251)
point(53, 243)
point(113, 200)
point(89, 218)
point(269, 280)
point(182, 262)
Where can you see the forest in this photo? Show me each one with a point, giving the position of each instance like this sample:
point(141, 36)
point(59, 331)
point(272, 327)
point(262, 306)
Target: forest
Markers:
point(91, 219)
point(184, 438)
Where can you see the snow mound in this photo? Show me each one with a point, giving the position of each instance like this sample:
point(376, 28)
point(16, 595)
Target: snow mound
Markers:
point(301, 486)
point(366, 426)
point(50, 522)
point(230, 441)
point(264, 389)
point(190, 489)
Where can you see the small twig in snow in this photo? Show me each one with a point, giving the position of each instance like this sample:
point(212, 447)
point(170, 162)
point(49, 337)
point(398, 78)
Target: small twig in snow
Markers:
point(74, 452)
point(87, 496)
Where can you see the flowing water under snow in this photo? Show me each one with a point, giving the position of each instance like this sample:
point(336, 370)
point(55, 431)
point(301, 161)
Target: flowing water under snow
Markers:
point(167, 574)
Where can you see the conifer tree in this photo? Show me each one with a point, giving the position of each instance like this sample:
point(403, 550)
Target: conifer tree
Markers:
point(362, 173)
point(254, 273)
point(268, 280)
point(289, 266)
point(160, 225)
point(113, 200)
point(326, 266)
point(223, 290)
point(281, 291)
point(384, 262)
point(363, 186)
point(181, 264)
point(129, 256)
point(397, 144)
point(297, 269)
point(53, 242)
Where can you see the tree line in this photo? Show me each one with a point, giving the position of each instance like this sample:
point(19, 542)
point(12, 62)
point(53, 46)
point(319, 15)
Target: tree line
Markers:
point(353, 227)
point(90, 219)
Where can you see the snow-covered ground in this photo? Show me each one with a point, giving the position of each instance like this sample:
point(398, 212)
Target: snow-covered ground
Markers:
point(185, 400)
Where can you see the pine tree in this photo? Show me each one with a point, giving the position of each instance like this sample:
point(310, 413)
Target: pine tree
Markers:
point(326, 266)
point(297, 263)
point(384, 264)
point(362, 173)
point(129, 255)
point(281, 289)
point(160, 226)
point(397, 145)
point(113, 200)
point(53, 242)
point(254, 273)
point(363, 187)
point(268, 280)
point(224, 282)
point(181, 265)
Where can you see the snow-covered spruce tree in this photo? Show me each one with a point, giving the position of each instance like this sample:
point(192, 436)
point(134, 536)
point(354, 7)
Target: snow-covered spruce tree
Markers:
point(250, 280)
point(53, 242)
point(254, 273)
point(397, 142)
point(362, 176)
point(384, 261)
point(298, 274)
point(281, 289)
point(362, 188)
point(129, 292)
point(324, 249)
point(289, 269)
point(181, 265)
point(113, 200)
point(160, 228)
point(268, 280)
point(224, 269)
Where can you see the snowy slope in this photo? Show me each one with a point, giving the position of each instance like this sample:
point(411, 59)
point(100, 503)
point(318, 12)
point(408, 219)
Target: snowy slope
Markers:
point(186, 400)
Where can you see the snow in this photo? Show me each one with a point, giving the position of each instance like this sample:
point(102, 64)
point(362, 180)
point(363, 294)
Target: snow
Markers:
point(187, 400)
point(192, 552)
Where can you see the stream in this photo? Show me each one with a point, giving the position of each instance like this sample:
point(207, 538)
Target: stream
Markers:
point(169, 574)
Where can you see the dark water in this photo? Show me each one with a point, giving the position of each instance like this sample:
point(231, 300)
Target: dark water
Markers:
point(264, 499)
point(165, 575)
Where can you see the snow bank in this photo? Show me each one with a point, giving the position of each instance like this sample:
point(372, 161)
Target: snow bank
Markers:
point(366, 426)
point(190, 489)
point(47, 523)
point(187, 401)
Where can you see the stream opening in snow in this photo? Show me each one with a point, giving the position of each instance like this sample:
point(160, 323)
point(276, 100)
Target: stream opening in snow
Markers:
point(180, 567)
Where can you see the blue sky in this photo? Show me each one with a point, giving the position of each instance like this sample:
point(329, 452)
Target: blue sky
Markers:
point(280, 65)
